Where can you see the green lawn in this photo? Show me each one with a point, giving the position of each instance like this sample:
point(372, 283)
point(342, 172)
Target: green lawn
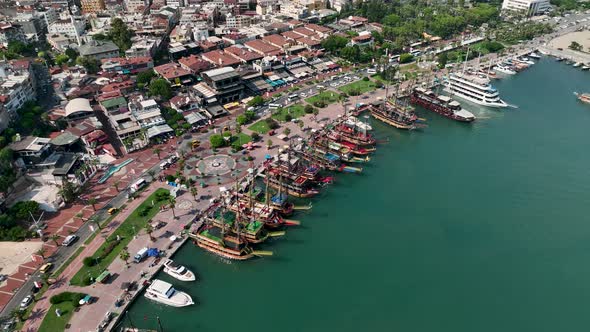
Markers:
point(378, 77)
point(329, 97)
point(295, 111)
point(239, 140)
point(128, 228)
point(260, 127)
point(360, 86)
point(53, 323)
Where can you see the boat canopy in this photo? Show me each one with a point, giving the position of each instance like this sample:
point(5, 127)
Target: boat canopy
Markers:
point(279, 198)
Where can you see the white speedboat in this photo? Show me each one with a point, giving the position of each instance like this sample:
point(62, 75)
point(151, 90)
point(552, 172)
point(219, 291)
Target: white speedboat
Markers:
point(585, 67)
point(163, 292)
point(534, 55)
point(525, 60)
point(577, 64)
point(504, 70)
point(178, 271)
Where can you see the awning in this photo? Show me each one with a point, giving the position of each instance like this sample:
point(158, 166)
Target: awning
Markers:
point(159, 130)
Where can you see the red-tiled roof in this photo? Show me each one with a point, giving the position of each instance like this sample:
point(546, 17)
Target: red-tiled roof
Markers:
point(362, 38)
point(171, 71)
point(276, 40)
point(309, 41)
point(304, 32)
point(219, 58)
point(318, 28)
point(129, 61)
point(261, 47)
point(291, 35)
point(194, 64)
point(242, 53)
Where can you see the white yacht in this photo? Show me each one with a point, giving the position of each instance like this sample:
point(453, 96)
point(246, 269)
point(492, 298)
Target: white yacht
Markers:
point(163, 292)
point(504, 70)
point(534, 55)
point(577, 64)
point(474, 88)
point(525, 60)
point(353, 122)
point(178, 271)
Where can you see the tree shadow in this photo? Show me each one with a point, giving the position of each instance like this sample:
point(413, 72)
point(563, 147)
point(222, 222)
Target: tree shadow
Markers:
point(58, 283)
point(36, 314)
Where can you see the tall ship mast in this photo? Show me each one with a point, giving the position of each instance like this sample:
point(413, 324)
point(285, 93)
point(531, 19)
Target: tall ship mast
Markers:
point(216, 240)
point(440, 104)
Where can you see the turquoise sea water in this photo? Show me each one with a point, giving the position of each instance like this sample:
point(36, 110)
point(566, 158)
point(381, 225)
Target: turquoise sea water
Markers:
point(456, 227)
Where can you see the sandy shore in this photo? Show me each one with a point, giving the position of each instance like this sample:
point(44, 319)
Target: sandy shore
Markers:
point(582, 37)
point(12, 254)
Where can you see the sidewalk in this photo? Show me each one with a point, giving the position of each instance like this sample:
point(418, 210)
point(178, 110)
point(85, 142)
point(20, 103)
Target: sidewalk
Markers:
point(62, 284)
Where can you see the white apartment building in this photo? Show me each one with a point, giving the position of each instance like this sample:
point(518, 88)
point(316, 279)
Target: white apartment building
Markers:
point(70, 27)
point(529, 7)
point(135, 6)
point(16, 88)
point(51, 16)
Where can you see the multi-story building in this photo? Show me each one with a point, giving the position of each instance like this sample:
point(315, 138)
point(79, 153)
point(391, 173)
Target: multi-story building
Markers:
point(143, 47)
point(50, 16)
point(70, 27)
point(92, 6)
point(99, 50)
point(33, 24)
point(135, 6)
point(17, 86)
point(221, 85)
point(127, 65)
point(237, 21)
point(528, 7)
point(10, 32)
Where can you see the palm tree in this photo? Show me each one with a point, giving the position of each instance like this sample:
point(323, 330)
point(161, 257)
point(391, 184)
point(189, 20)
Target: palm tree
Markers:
point(149, 229)
point(172, 202)
point(116, 185)
point(301, 124)
point(152, 174)
point(157, 151)
point(92, 201)
point(18, 314)
point(124, 255)
point(54, 238)
point(95, 220)
point(41, 252)
point(194, 192)
point(268, 144)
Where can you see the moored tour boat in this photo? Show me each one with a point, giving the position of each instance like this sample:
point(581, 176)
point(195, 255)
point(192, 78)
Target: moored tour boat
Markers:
point(163, 292)
point(393, 114)
point(583, 97)
point(178, 271)
point(215, 240)
point(474, 88)
point(442, 105)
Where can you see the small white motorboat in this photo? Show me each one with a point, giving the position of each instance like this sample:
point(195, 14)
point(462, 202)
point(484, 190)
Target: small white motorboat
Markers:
point(178, 271)
point(163, 292)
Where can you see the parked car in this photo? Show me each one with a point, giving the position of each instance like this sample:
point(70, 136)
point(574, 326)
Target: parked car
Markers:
point(46, 267)
point(69, 240)
point(26, 301)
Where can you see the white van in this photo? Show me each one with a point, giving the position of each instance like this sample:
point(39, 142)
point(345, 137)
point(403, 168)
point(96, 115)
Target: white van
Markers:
point(164, 165)
point(138, 184)
point(141, 255)
point(371, 71)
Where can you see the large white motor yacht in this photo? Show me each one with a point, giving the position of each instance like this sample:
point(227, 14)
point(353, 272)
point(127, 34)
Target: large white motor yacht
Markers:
point(163, 292)
point(475, 88)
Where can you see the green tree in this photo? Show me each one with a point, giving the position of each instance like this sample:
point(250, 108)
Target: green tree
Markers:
point(157, 152)
point(116, 185)
point(67, 191)
point(161, 87)
point(256, 101)
point(241, 119)
point(194, 192)
point(269, 144)
point(443, 58)
point(90, 64)
point(405, 58)
point(149, 230)
point(124, 255)
point(145, 76)
point(334, 43)
point(54, 238)
point(96, 221)
point(71, 53)
point(23, 210)
point(172, 203)
point(575, 46)
point(61, 59)
point(120, 34)
point(92, 201)
point(41, 252)
point(216, 141)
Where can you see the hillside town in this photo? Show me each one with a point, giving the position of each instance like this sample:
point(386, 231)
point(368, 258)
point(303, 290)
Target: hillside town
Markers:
point(107, 104)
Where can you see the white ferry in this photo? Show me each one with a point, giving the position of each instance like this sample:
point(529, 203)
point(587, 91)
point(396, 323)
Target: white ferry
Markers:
point(178, 271)
point(163, 292)
point(474, 88)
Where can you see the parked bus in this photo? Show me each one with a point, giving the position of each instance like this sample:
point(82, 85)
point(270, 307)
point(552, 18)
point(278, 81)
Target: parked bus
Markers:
point(274, 106)
point(292, 97)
